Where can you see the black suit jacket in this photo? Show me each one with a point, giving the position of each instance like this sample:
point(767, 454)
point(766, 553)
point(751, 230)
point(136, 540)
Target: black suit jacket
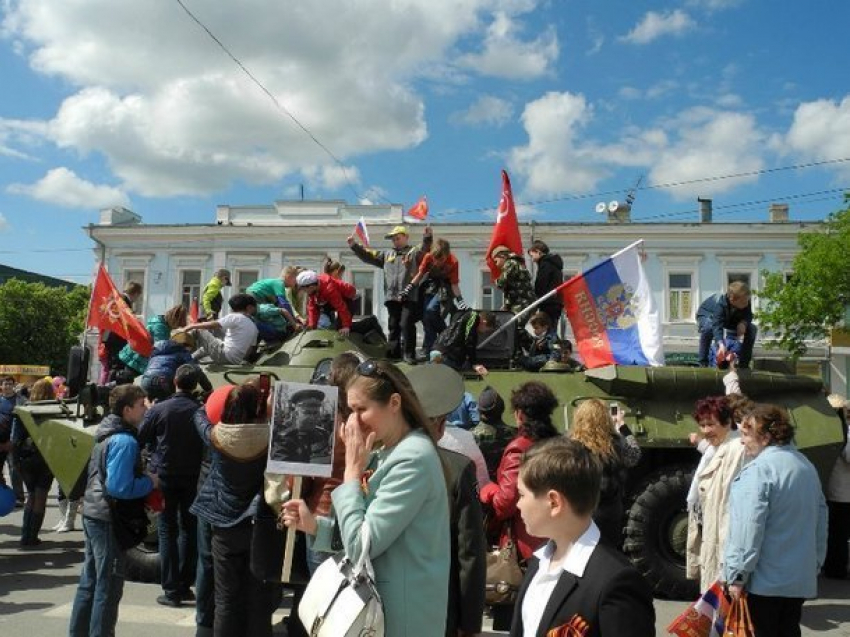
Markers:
point(611, 597)
point(468, 575)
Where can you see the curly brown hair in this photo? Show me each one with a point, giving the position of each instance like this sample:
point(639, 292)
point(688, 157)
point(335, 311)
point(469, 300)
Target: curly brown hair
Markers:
point(772, 421)
point(592, 427)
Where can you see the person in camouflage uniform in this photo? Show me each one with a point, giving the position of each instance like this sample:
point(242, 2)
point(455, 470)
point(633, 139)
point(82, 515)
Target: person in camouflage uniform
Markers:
point(492, 433)
point(514, 280)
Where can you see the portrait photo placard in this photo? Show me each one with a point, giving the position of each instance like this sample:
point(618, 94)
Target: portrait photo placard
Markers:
point(302, 437)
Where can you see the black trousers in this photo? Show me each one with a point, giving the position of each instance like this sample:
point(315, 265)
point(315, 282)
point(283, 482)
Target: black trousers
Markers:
point(243, 604)
point(401, 323)
point(837, 556)
point(775, 616)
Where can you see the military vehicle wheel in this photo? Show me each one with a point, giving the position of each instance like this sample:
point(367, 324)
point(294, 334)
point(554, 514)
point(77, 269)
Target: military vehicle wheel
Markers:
point(142, 562)
point(657, 531)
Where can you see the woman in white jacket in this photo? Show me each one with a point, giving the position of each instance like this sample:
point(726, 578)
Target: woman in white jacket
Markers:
point(708, 519)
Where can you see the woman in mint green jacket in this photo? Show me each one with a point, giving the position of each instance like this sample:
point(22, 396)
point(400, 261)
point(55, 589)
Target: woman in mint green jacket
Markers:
point(399, 490)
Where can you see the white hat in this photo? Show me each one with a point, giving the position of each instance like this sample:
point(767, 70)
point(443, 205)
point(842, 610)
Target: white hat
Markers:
point(306, 278)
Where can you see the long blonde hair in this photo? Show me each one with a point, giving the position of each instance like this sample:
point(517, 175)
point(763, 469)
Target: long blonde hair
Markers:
point(592, 427)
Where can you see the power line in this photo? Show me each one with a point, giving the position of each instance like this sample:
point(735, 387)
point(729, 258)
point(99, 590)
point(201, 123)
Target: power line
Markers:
point(276, 102)
point(663, 186)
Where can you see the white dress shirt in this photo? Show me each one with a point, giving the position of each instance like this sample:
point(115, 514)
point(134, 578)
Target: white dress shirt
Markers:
point(540, 589)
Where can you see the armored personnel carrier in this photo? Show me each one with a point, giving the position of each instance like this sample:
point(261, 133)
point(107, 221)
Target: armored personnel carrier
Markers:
point(657, 403)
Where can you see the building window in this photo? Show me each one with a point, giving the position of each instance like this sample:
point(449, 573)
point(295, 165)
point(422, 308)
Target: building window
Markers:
point(732, 276)
point(139, 277)
point(680, 296)
point(246, 278)
point(190, 287)
point(491, 296)
point(364, 281)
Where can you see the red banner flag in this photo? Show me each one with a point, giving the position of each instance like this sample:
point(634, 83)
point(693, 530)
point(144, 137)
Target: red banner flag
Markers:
point(109, 311)
point(420, 209)
point(506, 231)
point(193, 310)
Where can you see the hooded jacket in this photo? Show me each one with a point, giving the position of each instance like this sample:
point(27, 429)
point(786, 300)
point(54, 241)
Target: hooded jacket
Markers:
point(166, 357)
point(550, 274)
point(334, 293)
point(238, 460)
point(123, 462)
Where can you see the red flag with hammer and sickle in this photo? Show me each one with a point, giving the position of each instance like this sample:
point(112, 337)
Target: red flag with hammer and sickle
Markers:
point(109, 311)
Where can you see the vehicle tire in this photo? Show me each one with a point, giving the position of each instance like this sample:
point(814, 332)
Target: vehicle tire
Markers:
point(142, 563)
point(657, 531)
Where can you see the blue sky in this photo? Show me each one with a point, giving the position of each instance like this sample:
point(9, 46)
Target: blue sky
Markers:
point(104, 102)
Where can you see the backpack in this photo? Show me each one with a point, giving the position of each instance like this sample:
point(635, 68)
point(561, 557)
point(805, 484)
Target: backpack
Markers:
point(129, 517)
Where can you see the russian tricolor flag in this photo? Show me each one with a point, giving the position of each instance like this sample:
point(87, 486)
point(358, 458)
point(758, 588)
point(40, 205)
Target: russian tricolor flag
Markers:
point(361, 232)
point(613, 314)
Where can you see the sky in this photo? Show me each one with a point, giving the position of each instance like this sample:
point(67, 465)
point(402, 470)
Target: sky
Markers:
point(110, 102)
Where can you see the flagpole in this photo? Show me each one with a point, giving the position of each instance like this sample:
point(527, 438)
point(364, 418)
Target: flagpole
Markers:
point(91, 300)
point(550, 294)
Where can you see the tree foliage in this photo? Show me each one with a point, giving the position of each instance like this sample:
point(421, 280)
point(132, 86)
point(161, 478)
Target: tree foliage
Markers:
point(39, 324)
point(816, 297)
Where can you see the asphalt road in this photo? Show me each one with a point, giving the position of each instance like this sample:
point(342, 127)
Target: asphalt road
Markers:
point(37, 588)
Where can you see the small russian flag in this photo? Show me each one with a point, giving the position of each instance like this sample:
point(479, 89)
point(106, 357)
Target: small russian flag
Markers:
point(361, 232)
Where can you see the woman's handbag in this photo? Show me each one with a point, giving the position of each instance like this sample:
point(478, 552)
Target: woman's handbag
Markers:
point(738, 622)
point(341, 599)
point(504, 574)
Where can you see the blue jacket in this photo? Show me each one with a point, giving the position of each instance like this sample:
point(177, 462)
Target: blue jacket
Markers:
point(166, 357)
point(238, 461)
point(465, 415)
point(8, 420)
point(407, 510)
point(777, 525)
point(716, 314)
point(169, 428)
point(124, 478)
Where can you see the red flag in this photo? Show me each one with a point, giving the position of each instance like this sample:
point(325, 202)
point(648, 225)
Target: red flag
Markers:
point(109, 311)
point(420, 209)
point(193, 310)
point(506, 230)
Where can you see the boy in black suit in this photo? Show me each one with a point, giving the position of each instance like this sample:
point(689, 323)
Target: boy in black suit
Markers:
point(576, 585)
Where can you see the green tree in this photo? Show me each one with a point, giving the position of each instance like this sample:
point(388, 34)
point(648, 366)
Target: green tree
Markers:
point(815, 298)
point(39, 324)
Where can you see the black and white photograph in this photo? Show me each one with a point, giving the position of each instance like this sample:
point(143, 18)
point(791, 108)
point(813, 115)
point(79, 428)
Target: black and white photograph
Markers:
point(302, 429)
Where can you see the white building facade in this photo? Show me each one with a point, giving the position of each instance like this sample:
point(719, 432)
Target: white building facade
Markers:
point(685, 262)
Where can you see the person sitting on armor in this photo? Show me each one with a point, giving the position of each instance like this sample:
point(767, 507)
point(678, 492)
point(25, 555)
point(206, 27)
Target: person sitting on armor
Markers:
point(240, 333)
point(456, 346)
point(275, 323)
point(544, 344)
point(166, 358)
point(721, 312)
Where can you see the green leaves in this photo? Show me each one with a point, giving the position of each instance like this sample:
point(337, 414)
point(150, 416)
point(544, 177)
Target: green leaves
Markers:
point(38, 324)
point(815, 299)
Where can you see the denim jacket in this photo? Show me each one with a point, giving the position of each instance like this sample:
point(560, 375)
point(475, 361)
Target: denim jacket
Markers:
point(777, 526)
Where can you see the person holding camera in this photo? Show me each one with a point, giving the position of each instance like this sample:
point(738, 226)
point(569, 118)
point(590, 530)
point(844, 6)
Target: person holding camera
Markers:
point(612, 442)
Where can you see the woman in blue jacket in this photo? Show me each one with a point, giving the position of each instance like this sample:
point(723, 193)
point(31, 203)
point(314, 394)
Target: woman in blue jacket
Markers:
point(399, 491)
point(777, 525)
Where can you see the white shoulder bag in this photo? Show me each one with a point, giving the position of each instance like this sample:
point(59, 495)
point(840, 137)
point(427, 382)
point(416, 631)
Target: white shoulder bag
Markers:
point(341, 599)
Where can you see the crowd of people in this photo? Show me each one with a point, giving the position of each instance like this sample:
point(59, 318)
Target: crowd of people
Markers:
point(432, 475)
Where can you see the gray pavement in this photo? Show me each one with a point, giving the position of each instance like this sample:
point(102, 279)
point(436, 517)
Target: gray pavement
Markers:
point(37, 588)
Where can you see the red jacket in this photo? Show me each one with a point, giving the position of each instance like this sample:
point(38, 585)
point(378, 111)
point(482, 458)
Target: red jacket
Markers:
point(502, 496)
point(333, 292)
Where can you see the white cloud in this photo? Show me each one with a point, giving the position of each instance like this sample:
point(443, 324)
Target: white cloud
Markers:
point(173, 115)
point(487, 110)
point(821, 131)
point(709, 143)
point(715, 4)
point(63, 187)
point(505, 55)
point(554, 161)
point(655, 25)
point(332, 177)
point(656, 91)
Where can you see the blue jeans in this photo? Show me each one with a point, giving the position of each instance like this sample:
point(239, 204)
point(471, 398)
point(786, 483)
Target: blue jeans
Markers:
point(204, 578)
point(178, 544)
point(95, 611)
point(432, 321)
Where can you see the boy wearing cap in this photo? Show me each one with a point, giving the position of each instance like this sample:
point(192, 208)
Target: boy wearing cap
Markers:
point(399, 265)
point(211, 298)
